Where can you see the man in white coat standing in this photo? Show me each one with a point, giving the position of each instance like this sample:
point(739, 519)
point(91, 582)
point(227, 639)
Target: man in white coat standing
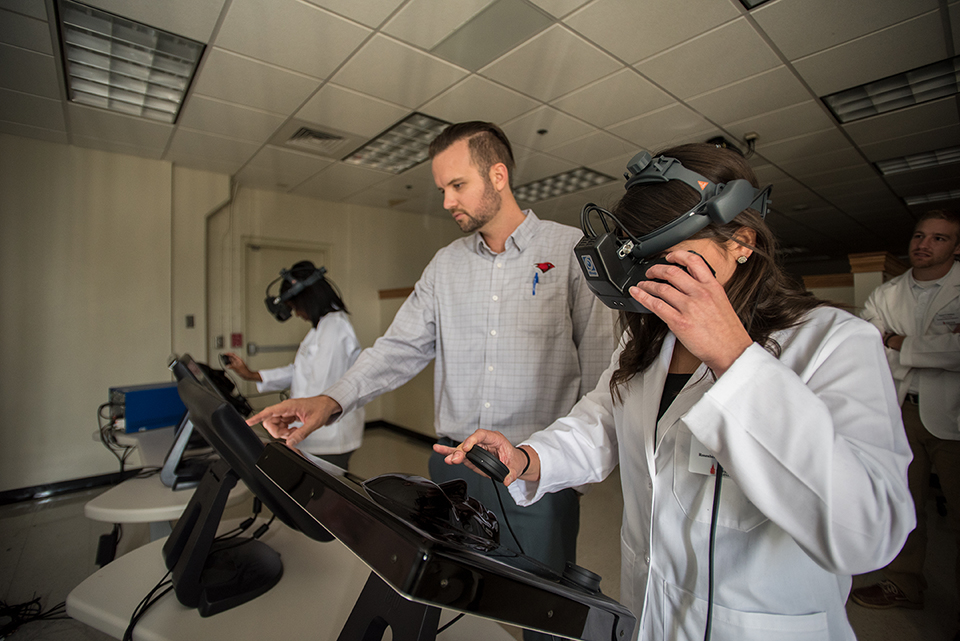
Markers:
point(919, 315)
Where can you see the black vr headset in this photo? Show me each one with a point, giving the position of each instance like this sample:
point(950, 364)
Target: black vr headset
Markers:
point(616, 260)
point(278, 305)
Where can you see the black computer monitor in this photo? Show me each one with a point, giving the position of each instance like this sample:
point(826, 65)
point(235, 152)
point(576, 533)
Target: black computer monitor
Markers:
point(215, 380)
point(435, 546)
point(243, 571)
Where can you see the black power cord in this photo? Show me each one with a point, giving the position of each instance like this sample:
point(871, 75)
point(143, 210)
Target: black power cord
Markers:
point(14, 616)
point(714, 517)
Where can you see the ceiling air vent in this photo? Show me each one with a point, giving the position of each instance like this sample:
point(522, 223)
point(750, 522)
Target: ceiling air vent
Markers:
point(315, 141)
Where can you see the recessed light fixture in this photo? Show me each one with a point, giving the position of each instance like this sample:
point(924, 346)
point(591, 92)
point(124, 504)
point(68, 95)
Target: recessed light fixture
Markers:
point(401, 147)
point(953, 194)
point(901, 90)
point(919, 161)
point(560, 184)
point(117, 64)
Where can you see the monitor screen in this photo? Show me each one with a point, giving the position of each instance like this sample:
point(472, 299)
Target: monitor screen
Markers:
point(216, 381)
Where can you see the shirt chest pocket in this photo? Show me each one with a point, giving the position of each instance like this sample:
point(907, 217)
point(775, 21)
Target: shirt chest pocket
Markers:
point(541, 309)
point(693, 489)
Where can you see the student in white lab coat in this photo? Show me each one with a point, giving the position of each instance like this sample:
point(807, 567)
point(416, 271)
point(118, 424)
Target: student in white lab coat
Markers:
point(326, 352)
point(792, 397)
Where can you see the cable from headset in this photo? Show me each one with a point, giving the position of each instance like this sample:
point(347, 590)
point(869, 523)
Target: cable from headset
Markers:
point(714, 517)
point(505, 519)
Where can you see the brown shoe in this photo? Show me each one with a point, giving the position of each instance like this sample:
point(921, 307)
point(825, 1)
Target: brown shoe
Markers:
point(882, 596)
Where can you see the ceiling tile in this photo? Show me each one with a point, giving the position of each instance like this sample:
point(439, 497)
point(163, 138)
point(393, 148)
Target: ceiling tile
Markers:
point(369, 12)
point(557, 129)
point(25, 32)
point(30, 8)
point(28, 72)
point(839, 176)
point(895, 124)
point(290, 34)
point(493, 32)
point(592, 148)
point(424, 23)
point(795, 120)
point(801, 27)
point(905, 46)
point(804, 146)
point(281, 169)
point(339, 181)
point(559, 8)
point(954, 10)
point(351, 111)
point(243, 81)
point(187, 142)
point(37, 133)
point(90, 122)
point(536, 166)
point(30, 110)
point(193, 19)
point(633, 35)
point(664, 128)
point(762, 93)
point(477, 98)
point(913, 144)
point(573, 63)
point(616, 98)
point(216, 116)
point(397, 73)
point(116, 147)
point(723, 55)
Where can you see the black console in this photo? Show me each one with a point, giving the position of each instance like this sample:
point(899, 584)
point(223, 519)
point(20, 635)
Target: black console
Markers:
point(437, 547)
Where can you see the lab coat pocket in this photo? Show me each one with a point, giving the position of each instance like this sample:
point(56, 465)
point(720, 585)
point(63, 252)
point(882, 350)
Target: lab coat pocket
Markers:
point(693, 485)
point(685, 617)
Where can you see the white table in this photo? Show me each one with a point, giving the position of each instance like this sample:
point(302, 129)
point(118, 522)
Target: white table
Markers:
point(319, 587)
point(148, 500)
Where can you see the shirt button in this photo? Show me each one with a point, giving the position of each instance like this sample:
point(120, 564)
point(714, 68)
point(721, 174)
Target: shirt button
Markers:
point(493, 332)
point(486, 404)
point(499, 265)
point(490, 368)
point(646, 557)
point(496, 298)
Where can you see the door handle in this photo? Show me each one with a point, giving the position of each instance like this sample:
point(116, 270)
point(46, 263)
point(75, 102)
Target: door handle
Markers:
point(253, 349)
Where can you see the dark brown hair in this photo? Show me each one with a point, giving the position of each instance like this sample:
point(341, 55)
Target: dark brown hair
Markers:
point(487, 143)
point(765, 299)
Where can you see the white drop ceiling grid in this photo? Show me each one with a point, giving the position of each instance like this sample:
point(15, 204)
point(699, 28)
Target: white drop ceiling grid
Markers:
point(572, 82)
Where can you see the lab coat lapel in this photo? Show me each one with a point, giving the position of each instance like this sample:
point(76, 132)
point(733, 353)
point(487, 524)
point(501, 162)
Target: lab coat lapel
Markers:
point(653, 381)
point(949, 289)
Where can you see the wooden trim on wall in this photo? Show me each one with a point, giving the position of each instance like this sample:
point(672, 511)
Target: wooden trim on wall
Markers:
point(819, 281)
point(401, 292)
point(884, 262)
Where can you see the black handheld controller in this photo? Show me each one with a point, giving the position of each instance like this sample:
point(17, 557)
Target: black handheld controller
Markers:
point(488, 463)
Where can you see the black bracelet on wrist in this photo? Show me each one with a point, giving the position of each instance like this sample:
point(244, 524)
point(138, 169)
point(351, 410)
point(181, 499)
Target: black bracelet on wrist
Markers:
point(527, 466)
point(887, 338)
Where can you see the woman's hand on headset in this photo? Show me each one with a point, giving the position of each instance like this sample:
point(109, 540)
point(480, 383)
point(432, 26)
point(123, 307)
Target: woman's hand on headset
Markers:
point(695, 307)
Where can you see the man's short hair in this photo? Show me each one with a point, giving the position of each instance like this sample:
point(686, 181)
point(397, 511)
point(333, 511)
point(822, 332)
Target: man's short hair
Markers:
point(487, 143)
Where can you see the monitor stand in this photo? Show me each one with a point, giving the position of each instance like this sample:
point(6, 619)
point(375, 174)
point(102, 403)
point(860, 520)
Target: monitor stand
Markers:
point(177, 472)
point(379, 606)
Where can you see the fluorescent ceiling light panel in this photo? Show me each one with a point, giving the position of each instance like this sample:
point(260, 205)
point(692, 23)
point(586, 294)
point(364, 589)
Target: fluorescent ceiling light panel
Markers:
point(914, 87)
point(560, 184)
point(953, 194)
point(401, 147)
point(919, 161)
point(117, 64)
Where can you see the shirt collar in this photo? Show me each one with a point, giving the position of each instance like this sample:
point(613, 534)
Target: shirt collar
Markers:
point(521, 237)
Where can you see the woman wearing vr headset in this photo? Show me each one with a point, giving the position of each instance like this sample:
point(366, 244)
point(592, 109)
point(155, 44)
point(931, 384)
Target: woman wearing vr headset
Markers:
point(739, 386)
point(326, 352)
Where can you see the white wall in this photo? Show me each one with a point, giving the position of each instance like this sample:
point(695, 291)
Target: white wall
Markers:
point(102, 257)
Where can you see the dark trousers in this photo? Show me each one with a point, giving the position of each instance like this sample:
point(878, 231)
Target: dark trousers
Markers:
point(547, 530)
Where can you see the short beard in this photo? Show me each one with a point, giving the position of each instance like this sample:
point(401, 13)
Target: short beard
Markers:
point(486, 210)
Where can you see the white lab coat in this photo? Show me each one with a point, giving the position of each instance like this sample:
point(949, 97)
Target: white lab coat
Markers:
point(325, 354)
point(817, 487)
point(930, 355)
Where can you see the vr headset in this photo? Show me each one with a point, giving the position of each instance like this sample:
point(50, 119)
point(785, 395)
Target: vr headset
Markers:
point(616, 260)
point(278, 305)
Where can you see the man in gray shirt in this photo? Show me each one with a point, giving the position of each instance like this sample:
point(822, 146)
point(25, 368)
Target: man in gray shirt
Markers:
point(517, 336)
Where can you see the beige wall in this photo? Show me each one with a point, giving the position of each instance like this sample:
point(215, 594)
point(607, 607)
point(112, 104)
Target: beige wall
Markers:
point(102, 256)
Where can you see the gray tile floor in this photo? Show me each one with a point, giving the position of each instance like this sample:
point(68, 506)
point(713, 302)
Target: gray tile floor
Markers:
point(47, 547)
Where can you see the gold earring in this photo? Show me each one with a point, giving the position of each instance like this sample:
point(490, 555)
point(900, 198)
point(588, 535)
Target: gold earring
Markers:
point(741, 259)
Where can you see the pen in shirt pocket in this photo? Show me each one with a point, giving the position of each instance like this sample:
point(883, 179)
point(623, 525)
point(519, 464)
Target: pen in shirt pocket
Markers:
point(536, 279)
